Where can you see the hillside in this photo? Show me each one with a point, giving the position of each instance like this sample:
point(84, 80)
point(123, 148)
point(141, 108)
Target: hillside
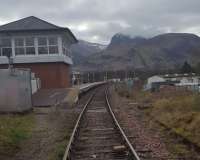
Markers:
point(83, 49)
point(164, 51)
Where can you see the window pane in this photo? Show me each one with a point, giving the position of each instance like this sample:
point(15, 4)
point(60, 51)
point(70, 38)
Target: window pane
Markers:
point(6, 51)
point(53, 41)
point(0, 52)
point(53, 49)
point(42, 50)
point(19, 51)
point(30, 41)
point(42, 41)
point(5, 42)
point(30, 50)
point(19, 42)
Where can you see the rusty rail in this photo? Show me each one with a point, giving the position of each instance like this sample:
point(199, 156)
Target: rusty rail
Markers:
point(132, 153)
point(67, 155)
point(129, 145)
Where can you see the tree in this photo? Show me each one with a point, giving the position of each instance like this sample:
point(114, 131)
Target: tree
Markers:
point(187, 68)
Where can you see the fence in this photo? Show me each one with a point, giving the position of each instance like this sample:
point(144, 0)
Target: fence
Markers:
point(15, 90)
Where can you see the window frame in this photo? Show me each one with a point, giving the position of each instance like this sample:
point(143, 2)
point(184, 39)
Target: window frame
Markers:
point(53, 45)
point(30, 46)
point(25, 46)
point(6, 47)
point(48, 45)
point(65, 48)
point(35, 44)
point(66, 51)
point(19, 47)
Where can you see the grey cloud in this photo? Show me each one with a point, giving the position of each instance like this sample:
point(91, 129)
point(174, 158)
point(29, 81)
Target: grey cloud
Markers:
point(107, 17)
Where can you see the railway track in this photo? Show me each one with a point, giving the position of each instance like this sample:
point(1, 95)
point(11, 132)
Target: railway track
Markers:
point(97, 133)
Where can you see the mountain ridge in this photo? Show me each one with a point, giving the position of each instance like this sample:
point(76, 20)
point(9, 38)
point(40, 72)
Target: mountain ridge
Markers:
point(165, 51)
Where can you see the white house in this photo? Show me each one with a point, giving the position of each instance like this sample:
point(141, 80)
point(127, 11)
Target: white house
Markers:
point(189, 81)
point(153, 79)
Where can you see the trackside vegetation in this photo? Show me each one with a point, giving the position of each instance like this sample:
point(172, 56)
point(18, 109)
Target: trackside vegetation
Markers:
point(181, 113)
point(13, 130)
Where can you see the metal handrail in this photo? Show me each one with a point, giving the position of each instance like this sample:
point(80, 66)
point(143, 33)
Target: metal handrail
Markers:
point(67, 152)
point(133, 152)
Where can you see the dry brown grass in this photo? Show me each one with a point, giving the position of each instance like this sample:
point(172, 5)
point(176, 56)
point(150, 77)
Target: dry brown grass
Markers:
point(178, 109)
point(72, 96)
point(181, 113)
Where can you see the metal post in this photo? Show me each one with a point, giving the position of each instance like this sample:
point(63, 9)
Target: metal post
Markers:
point(10, 62)
point(88, 77)
point(93, 77)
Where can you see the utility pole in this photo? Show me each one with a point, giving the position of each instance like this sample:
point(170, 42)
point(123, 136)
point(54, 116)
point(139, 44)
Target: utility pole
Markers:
point(93, 77)
point(88, 77)
point(10, 61)
point(106, 76)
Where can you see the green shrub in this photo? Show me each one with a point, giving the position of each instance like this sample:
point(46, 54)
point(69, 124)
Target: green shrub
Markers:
point(13, 130)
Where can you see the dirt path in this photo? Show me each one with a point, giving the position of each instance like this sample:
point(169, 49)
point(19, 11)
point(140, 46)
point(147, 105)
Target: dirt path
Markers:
point(50, 134)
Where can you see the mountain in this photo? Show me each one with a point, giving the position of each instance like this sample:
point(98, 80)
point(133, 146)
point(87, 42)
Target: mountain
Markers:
point(166, 51)
point(83, 49)
point(121, 39)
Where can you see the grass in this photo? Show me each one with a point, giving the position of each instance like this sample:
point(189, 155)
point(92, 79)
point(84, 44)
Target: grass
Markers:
point(60, 144)
point(181, 113)
point(13, 130)
point(72, 96)
point(59, 152)
point(134, 93)
point(122, 90)
point(174, 148)
point(176, 109)
point(60, 147)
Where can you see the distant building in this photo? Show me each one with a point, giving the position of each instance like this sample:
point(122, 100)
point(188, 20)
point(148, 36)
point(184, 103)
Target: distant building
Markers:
point(41, 46)
point(189, 81)
point(154, 79)
point(151, 81)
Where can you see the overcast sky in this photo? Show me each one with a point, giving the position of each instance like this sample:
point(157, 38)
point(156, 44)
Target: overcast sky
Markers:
point(99, 20)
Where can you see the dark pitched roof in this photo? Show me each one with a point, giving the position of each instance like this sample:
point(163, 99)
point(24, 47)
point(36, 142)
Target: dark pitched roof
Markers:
point(32, 24)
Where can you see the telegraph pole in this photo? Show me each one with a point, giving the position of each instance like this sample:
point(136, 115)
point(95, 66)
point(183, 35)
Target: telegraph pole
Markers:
point(10, 61)
point(93, 77)
point(88, 77)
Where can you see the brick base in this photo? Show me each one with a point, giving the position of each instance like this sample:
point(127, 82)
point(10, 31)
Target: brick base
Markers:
point(52, 75)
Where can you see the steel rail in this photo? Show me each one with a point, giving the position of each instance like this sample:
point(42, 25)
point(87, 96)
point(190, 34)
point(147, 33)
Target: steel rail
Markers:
point(132, 150)
point(68, 149)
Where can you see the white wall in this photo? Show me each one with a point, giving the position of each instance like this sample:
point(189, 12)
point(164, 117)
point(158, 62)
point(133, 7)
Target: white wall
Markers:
point(35, 84)
point(155, 79)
